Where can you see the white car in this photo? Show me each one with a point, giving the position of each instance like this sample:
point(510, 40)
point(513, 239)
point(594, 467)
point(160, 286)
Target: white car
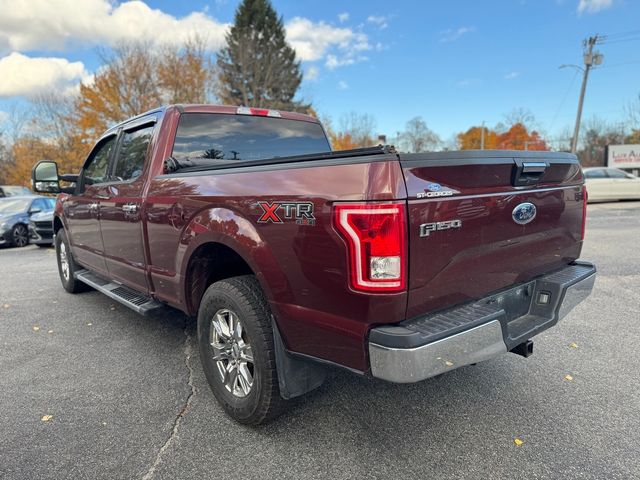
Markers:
point(605, 184)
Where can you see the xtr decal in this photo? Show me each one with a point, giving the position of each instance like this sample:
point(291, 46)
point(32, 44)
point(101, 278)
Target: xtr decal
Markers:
point(301, 212)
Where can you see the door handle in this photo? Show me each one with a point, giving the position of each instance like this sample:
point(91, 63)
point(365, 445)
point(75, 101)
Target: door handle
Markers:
point(130, 208)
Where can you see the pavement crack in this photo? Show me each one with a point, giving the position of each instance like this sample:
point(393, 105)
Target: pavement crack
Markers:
point(188, 351)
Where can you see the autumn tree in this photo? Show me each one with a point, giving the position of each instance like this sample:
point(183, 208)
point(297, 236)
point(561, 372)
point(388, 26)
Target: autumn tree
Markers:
point(472, 139)
point(596, 135)
point(258, 68)
point(517, 137)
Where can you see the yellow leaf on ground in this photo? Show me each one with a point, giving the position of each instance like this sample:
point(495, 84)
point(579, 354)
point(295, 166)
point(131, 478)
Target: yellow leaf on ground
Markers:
point(47, 418)
point(568, 378)
point(36, 328)
point(518, 442)
point(448, 363)
point(574, 345)
point(89, 324)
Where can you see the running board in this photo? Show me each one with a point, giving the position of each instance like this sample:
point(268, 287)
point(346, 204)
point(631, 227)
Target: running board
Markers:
point(128, 297)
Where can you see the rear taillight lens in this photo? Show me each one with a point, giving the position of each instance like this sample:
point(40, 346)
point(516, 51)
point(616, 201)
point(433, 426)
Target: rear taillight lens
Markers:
point(585, 197)
point(377, 247)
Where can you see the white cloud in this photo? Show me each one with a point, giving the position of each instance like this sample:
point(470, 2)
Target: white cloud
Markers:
point(22, 75)
point(468, 82)
point(53, 24)
point(342, 85)
point(312, 73)
point(313, 41)
point(512, 75)
point(379, 20)
point(451, 35)
point(343, 17)
point(593, 6)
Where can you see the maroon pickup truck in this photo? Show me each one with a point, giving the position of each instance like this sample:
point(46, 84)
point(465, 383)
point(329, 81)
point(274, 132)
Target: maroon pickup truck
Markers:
point(294, 257)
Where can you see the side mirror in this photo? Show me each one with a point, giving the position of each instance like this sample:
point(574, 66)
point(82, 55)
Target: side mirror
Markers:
point(44, 177)
point(34, 210)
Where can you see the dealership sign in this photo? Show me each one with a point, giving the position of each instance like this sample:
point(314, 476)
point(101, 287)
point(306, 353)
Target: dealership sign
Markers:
point(623, 156)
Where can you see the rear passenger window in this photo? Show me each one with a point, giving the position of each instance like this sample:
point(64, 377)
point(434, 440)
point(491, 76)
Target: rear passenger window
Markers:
point(613, 173)
point(131, 154)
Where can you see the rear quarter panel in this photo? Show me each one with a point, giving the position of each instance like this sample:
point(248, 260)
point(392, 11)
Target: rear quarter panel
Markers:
point(302, 268)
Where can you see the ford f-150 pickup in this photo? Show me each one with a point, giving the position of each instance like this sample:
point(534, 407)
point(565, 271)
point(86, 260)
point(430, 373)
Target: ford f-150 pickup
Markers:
point(294, 257)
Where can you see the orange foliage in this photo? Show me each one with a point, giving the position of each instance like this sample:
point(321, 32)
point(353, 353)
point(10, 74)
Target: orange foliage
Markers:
point(472, 139)
point(516, 138)
point(342, 141)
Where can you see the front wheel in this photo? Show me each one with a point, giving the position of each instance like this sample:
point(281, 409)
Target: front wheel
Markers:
point(67, 267)
point(20, 236)
point(237, 352)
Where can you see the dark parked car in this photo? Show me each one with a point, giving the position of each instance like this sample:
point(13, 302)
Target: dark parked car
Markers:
point(14, 191)
point(15, 213)
point(41, 229)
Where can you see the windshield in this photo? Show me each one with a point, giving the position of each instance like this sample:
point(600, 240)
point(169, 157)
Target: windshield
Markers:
point(17, 205)
point(213, 137)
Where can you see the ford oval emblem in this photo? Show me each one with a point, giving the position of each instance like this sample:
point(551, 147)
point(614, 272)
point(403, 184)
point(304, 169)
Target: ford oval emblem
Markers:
point(524, 213)
point(434, 187)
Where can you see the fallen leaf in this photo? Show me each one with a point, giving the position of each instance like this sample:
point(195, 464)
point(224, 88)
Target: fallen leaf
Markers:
point(568, 378)
point(112, 308)
point(89, 324)
point(47, 418)
point(448, 363)
point(104, 424)
point(574, 345)
point(36, 328)
point(6, 305)
point(518, 442)
point(50, 331)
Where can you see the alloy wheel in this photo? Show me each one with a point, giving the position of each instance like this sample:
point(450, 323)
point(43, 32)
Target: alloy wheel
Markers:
point(232, 352)
point(20, 236)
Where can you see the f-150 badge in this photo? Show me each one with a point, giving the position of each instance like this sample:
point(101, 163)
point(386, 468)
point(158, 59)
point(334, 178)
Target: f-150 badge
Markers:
point(301, 212)
point(427, 228)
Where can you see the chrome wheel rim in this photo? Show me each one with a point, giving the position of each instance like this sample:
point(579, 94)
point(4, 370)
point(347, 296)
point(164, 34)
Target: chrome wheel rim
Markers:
point(20, 236)
point(64, 260)
point(232, 352)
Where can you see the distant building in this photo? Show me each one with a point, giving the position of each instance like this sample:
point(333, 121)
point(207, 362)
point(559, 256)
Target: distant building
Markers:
point(624, 157)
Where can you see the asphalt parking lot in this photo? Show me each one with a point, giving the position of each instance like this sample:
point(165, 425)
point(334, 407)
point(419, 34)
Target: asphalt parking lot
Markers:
point(127, 397)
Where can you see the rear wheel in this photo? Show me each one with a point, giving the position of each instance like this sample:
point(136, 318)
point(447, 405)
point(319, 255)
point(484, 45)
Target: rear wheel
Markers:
point(20, 235)
point(236, 348)
point(66, 265)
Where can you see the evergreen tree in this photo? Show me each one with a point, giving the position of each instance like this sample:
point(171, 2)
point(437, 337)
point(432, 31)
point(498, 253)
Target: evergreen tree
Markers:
point(258, 68)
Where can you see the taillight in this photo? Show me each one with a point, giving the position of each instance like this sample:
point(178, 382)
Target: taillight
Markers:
point(585, 197)
point(377, 247)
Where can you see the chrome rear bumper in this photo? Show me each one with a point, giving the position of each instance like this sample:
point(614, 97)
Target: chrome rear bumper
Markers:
point(421, 348)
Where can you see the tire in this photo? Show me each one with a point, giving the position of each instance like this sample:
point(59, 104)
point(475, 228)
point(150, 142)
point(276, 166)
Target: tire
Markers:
point(20, 235)
point(66, 265)
point(234, 301)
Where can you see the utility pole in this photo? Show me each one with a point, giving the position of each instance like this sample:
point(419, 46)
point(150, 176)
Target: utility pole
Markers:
point(591, 58)
point(482, 137)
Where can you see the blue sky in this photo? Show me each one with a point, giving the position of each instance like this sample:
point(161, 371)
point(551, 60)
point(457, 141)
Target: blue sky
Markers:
point(455, 63)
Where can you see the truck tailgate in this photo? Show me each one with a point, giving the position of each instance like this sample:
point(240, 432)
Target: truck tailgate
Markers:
point(472, 230)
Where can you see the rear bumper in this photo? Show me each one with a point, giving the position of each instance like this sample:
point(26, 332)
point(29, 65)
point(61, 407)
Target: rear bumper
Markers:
point(427, 346)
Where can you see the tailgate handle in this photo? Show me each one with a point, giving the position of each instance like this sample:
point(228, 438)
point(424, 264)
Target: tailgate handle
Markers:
point(528, 173)
point(533, 167)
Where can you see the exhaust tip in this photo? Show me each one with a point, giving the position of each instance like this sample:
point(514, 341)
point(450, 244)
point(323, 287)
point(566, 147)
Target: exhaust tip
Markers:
point(525, 349)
